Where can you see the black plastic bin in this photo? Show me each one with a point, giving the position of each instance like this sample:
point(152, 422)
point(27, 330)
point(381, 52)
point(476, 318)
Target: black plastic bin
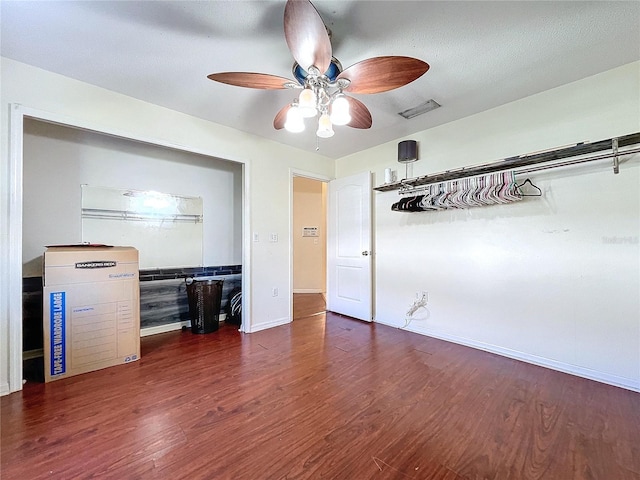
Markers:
point(204, 304)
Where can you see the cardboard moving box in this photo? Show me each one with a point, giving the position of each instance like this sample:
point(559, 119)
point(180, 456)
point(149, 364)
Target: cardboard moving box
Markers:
point(91, 311)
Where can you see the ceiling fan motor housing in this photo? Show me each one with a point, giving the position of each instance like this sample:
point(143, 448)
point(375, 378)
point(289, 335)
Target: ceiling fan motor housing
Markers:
point(335, 68)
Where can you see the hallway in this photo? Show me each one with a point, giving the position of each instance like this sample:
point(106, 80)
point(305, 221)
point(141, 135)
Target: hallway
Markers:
point(308, 304)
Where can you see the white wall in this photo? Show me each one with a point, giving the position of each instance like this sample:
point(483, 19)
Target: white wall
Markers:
point(309, 253)
point(267, 180)
point(551, 280)
point(58, 160)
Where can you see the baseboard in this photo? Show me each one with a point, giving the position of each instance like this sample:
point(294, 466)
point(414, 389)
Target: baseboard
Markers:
point(271, 324)
point(170, 327)
point(4, 389)
point(563, 367)
point(308, 290)
point(167, 327)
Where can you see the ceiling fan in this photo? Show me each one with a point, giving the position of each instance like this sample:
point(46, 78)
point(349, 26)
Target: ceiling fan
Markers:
point(321, 77)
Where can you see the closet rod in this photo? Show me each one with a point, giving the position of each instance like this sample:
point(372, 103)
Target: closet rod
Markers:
point(518, 163)
point(409, 189)
point(106, 214)
point(579, 160)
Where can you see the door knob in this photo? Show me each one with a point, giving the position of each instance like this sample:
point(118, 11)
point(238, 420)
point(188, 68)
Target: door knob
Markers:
point(365, 253)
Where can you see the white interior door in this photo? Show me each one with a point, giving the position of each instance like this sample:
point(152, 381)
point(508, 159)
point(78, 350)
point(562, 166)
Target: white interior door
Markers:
point(349, 259)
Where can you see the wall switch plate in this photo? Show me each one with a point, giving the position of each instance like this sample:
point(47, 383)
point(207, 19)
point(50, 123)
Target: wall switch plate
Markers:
point(256, 237)
point(273, 237)
point(274, 292)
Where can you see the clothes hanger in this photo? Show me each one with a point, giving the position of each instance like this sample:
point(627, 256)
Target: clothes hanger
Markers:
point(512, 192)
point(539, 194)
point(497, 185)
point(467, 192)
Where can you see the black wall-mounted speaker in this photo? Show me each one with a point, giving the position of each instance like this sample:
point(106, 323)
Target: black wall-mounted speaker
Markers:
point(407, 151)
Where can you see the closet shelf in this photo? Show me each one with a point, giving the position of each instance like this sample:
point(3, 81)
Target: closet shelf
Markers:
point(539, 159)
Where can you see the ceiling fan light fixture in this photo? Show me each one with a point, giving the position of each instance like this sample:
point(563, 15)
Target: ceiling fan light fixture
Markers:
point(321, 78)
point(325, 129)
point(307, 103)
point(295, 121)
point(340, 110)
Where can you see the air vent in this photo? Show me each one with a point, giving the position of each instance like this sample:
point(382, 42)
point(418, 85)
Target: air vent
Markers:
point(420, 109)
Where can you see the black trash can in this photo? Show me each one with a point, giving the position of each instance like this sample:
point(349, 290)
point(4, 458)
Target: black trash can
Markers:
point(204, 304)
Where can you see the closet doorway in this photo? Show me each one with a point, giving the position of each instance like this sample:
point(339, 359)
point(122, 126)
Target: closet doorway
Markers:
point(18, 244)
point(309, 246)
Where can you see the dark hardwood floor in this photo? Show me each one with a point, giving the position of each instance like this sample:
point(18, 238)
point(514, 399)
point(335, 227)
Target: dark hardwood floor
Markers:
point(320, 398)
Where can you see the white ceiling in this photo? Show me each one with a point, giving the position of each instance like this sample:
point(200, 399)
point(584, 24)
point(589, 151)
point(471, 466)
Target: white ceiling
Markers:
point(482, 54)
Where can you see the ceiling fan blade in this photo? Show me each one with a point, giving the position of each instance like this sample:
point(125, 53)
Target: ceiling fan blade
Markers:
point(281, 117)
point(380, 74)
point(251, 80)
point(360, 114)
point(306, 35)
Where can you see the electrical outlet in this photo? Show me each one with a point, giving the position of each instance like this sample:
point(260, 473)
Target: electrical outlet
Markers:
point(256, 237)
point(273, 238)
point(274, 292)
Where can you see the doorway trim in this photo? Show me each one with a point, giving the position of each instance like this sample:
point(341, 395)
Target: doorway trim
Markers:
point(13, 251)
point(294, 172)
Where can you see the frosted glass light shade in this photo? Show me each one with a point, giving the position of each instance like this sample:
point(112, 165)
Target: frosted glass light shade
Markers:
point(340, 111)
point(325, 129)
point(307, 103)
point(294, 122)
